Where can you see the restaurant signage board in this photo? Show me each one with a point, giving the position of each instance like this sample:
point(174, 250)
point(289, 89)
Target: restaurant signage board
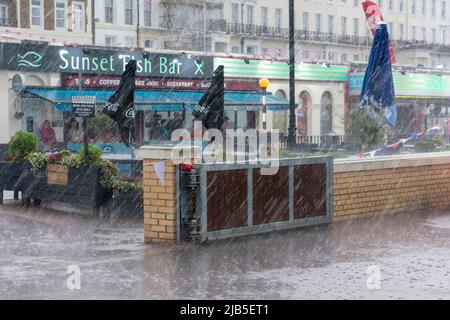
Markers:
point(102, 61)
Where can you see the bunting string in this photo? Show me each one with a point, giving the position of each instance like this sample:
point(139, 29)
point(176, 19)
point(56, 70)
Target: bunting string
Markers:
point(414, 137)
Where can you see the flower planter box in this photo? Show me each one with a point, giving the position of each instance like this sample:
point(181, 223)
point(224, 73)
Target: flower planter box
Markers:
point(11, 178)
point(128, 204)
point(68, 185)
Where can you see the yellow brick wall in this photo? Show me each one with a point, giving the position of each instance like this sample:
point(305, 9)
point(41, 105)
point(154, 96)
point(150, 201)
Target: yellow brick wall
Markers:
point(159, 204)
point(364, 193)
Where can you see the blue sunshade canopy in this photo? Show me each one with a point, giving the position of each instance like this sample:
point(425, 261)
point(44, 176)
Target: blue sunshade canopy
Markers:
point(159, 100)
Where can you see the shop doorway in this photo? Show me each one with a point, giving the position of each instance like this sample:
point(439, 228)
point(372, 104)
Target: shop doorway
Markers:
point(302, 113)
point(326, 114)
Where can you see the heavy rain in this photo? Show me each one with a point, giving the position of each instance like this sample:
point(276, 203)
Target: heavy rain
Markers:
point(225, 150)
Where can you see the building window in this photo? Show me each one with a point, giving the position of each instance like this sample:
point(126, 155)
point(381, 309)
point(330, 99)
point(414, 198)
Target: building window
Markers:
point(110, 41)
point(235, 13)
point(109, 11)
point(424, 34)
point(264, 16)
point(355, 3)
point(444, 10)
point(149, 43)
point(250, 15)
point(305, 21)
point(318, 22)
point(391, 5)
point(36, 13)
point(381, 4)
point(413, 33)
point(130, 41)
point(433, 8)
point(401, 31)
point(60, 15)
point(330, 24)
point(424, 7)
point(148, 13)
point(344, 26)
point(443, 37)
point(78, 17)
point(413, 6)
point(3, 15)
point(278, 17)
point(355, 26)
point(129, 12)
point(252, 50)
point(402, 5)
point(433, 35)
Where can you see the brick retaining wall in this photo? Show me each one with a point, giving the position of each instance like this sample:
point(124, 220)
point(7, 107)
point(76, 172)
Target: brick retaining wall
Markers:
point(395, 185)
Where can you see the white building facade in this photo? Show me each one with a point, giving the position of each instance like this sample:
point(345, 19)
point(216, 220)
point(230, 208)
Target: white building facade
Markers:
point(331, 30)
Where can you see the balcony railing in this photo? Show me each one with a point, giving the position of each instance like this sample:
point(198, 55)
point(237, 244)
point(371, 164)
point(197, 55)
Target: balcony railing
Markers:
point(315, 36)
point(4, 22)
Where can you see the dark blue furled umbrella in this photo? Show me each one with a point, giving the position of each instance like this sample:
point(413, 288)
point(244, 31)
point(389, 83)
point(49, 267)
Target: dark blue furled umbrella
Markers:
point(378, 88)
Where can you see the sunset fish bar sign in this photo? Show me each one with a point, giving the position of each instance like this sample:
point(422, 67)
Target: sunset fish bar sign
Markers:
point(96, 61)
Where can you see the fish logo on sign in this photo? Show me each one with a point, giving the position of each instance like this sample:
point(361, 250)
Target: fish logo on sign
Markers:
point(31, 59)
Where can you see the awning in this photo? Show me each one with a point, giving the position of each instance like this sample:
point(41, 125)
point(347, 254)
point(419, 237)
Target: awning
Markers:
point(160, 100)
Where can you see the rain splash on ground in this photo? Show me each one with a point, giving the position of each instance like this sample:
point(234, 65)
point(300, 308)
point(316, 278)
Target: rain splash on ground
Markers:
point(411, 251)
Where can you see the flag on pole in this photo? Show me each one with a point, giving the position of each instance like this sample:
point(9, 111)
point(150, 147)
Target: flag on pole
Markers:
point(120, 107)
point(374, 17)
point(378, 88)
point(211, 108)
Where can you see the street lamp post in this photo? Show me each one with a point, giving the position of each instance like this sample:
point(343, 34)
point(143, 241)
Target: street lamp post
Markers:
point(264, 84)
point(292, 105)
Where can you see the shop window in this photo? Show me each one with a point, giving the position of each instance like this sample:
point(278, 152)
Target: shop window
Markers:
point(159, 126)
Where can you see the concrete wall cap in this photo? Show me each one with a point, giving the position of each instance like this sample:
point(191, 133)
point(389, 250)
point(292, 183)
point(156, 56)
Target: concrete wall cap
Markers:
point(391, 162)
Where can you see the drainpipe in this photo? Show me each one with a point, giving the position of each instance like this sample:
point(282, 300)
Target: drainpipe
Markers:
point(242, 28)
point(204, 27)
point(93, 18)
point(138, 34)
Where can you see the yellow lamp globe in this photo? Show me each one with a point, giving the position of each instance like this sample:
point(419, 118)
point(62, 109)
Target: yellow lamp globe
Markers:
point(264, 83)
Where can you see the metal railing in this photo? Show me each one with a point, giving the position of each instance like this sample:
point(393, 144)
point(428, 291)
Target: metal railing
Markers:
point(316, 36)
point(315, 142)
point(4, 22)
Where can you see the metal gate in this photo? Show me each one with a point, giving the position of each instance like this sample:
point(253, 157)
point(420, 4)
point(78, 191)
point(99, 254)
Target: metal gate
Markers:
point(221, 201)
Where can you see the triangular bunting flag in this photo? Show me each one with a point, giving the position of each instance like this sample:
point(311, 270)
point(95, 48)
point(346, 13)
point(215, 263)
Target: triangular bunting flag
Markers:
point(160, 171)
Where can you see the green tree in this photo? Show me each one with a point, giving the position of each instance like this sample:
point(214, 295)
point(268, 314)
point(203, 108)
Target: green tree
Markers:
point(367, 127)
point(22, 144)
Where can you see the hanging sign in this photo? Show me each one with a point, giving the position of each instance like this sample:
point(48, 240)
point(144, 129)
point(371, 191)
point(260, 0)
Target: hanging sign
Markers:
point(84, 106)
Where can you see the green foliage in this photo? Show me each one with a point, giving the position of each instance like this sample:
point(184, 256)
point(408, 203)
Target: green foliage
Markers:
point(22, 144)
point(72, 160)
point(109, 172)
point(424, 146)
point(288, 154)
point(124, 186)
point(366, 127)
point(94, 156)
point(333, 154)
point(38, 160)
point(438, 141)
